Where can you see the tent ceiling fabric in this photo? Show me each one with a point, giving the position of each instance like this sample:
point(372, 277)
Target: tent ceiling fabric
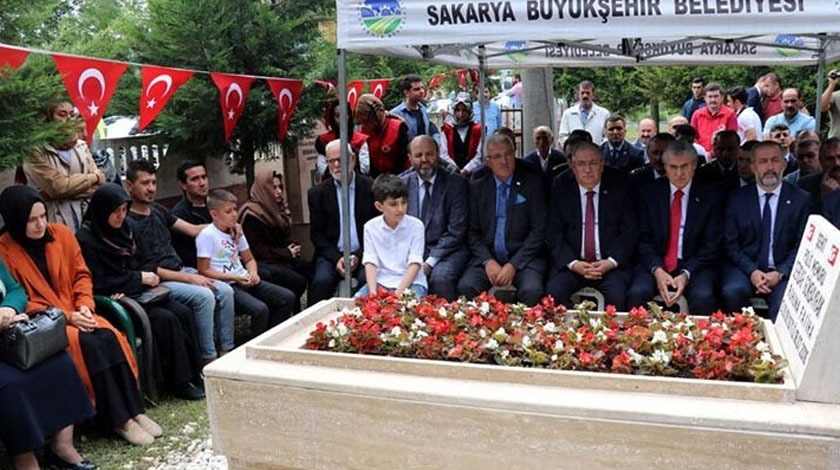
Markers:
point(551, 33)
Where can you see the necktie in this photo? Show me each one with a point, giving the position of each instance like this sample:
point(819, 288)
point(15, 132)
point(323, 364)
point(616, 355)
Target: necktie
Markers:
point(427, 199)
point(674, 232)
point(613, 155)
point(501, 220)
point(766, 234)
point(589, 229)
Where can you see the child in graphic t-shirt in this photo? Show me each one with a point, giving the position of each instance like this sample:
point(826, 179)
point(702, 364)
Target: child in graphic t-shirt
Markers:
point(220, 257)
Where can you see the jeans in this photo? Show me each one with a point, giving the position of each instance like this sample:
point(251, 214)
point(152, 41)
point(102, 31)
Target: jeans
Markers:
point(211, 307)
point(418, 289)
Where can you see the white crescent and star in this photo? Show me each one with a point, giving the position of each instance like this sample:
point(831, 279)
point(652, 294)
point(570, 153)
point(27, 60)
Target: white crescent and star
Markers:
point(92, 73)
point(233, 88)
point(377, 91)
point(351, 95)
point(164, 78)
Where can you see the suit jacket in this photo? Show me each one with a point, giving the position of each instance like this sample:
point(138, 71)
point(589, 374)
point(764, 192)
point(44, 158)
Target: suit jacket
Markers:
point(525, 222)
point(754, 100)
point(617, 227)
point(702, 234)
point(324, 220)
point(742, 229)
point(712, 173)
point(812, 184)
point(446, 220)
point(556, 161)
point(831, 208)
point(628, 159)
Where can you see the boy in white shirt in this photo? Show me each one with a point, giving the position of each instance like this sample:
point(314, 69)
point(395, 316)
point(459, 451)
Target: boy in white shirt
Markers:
point(219, 257)
point(393, 242)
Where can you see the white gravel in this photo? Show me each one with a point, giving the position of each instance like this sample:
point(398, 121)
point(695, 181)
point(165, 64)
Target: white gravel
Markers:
point(197, 456)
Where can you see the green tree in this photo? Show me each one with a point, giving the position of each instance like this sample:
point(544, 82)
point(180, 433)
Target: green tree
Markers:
point(233, 36)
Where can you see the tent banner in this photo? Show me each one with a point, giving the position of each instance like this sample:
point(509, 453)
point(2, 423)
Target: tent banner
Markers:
point(373, 24)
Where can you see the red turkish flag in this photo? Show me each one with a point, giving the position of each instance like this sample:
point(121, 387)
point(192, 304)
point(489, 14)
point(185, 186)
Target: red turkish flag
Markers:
point(474, 75)
point(437, 80)
point(379, 87)
point(328, 85)
point(462, 78)
point(287, 93)
point(159, 84)
point(90, 84)
point(354, 90)
point(233, 93)
point(12, 57)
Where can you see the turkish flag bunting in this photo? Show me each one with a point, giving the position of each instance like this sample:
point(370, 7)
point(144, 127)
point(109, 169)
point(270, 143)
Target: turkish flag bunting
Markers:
point(90, 84)
point(462, 78)
point(437, 80)
point(233, 93)
point(159, 84)
point(354, 90)
point(12, 57)
point(328, 85)
point(287, 93)
point(379, 87)
point(474, 75)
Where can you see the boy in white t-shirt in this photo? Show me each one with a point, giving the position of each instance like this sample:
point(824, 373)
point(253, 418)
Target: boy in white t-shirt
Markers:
point(219, 257)
point(393, 242)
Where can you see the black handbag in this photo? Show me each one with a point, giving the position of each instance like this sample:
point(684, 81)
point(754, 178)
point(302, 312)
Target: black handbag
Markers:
point(153, 296)
point(26, 343)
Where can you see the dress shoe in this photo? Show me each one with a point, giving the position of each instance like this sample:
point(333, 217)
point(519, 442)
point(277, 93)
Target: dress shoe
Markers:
point(148, 425)
point(189, 391)
point(54, 461)
point(135, 434)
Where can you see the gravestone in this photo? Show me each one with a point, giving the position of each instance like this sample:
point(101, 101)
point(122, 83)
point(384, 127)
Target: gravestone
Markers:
point(809, 318)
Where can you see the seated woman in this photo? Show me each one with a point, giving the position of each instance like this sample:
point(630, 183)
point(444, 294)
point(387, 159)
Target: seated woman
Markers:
point(109, 249)
point(46, 260)
point(267, 224)
point(30, 410)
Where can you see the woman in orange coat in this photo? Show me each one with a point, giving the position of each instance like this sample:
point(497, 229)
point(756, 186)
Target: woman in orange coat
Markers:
point(47, 261)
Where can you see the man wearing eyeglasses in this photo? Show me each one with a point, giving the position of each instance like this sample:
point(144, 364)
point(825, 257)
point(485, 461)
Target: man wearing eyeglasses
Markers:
point(326, 218)
point(506, 227)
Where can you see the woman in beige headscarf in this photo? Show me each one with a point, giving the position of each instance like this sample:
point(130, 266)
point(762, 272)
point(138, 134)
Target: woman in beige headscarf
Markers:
point(64, 172)
point(267, 224)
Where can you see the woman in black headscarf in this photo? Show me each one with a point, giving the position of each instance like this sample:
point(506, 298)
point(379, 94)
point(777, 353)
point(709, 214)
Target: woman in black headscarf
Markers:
point(47, 261)
point(109, 250)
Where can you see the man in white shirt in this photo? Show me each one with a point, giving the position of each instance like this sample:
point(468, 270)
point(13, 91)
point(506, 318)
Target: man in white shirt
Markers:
point(585, 115)
point(749, 124)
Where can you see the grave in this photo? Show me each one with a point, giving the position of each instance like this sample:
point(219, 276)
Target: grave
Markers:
point(273, 405)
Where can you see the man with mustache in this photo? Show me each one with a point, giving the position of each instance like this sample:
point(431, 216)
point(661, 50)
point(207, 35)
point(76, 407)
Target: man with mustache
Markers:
point(762, 229)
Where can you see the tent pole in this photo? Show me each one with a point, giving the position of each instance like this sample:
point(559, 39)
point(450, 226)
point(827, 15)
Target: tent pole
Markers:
point(820, 84)
point(344, 133)
point(482, 72)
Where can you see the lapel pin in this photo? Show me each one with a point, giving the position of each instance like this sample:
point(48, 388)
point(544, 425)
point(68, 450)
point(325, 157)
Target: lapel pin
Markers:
point(787, 201)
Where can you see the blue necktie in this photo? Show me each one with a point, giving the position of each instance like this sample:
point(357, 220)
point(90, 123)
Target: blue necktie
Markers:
point(501, 220)
point(766, 234)
point(427, 199)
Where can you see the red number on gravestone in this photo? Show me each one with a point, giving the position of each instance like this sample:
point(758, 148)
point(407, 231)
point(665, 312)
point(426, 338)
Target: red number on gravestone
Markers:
point(811, 229)
point(832, 258)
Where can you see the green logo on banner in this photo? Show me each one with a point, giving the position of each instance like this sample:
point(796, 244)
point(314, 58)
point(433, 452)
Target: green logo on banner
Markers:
point(382, 18)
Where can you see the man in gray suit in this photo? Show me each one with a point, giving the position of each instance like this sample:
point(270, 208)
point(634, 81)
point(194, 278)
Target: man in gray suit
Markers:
point(439, 199)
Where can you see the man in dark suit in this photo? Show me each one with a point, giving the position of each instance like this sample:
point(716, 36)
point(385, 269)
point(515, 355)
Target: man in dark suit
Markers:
point(506, 227)
point(439, 199)
point(325, 225)
point(641, 179)
point(723, 170)
point(680, 236)
point(763, 226)
point(754, 100)
point(591, 231)
point(820, 184)
point(831, 208)
point(619, 153)
point(545, 156)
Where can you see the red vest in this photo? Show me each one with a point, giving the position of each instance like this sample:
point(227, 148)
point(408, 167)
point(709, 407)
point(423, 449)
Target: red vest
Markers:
point(473, 141)
point(358, 139)
point(386, 156)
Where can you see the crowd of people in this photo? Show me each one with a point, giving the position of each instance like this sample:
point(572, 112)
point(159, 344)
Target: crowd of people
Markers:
point(710, 212)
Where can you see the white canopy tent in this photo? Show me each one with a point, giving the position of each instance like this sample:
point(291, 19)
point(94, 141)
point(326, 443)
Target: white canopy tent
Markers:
point(590, 33)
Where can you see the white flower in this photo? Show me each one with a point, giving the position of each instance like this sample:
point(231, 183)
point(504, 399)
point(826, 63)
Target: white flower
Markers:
point(558, 345)
point(418, 323)
point(491, 344)
point(595, 322)
point(342, 329)
point(421, 334)
point(500, 334)
point(554, 357)
point(484, 308)
point(396, 331)
point(667, 324)
point(459, 315)
point(660, 357)
point(482, 333)
point(748, 311)
point(659, 336)
point(766, 356)
point(689, 336)
point(762, 346)
point(442, 312)
point(331, 343)
point(526, 341)
point(635, 357)
point(505, 353)
point(601, 336)
point(688, 322)
point(550, 327)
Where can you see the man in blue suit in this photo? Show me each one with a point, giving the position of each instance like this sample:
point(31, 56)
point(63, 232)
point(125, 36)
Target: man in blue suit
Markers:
point(506, 228)
point(680, 235)
point(591, 231)
point(439, 199)
point(764, 223)
point(619, 153)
